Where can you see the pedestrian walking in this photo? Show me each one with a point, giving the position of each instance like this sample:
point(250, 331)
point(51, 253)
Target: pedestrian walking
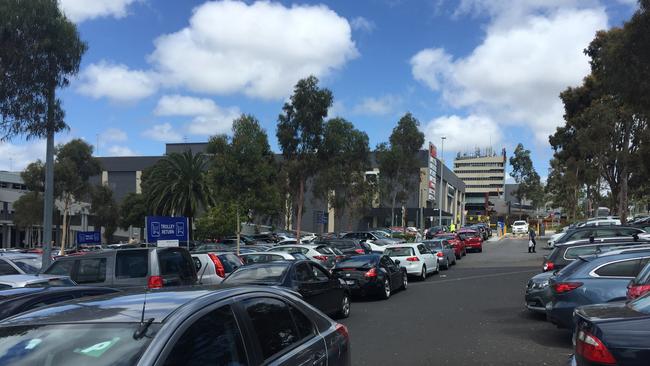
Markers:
point(531, 241)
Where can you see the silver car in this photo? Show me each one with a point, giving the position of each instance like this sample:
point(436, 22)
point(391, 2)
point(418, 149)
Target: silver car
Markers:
point(41, 280)
point(213, 267)
point(263, 257)
point(443, 251)
point(19, 263)
point(320, 254)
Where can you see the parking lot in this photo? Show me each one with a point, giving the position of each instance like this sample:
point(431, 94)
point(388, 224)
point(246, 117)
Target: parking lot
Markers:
point(472, 314)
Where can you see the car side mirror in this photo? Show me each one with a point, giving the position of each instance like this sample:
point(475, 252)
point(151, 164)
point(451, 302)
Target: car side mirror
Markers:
point(397, 262)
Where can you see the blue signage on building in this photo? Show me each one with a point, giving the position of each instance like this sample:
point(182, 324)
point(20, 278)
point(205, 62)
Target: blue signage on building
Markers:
point(166, 228)
point(89, 237)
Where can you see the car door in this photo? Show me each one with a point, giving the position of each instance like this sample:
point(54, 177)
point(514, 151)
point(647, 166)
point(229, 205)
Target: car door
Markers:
point(210, 337)
point(428, 257)
point(303, 281)
point(327, 288)
point(281, 333)
point(392, 270)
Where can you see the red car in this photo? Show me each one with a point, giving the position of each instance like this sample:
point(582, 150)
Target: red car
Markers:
point(472, 239)
point(456, 242)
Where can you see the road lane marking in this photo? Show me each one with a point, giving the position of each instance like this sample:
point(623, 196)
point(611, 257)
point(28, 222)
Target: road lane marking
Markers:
point(472, 277)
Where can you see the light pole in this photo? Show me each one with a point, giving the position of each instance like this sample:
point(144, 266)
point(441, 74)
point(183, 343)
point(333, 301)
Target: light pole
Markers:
point(442, 171)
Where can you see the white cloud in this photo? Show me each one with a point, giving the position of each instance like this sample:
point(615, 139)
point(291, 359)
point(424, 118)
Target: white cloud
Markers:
point(81, 10)
point(119, 150)
point(15, 157)
point(116, 82)
point(261, 49)
point(179, 105)
point(517, 73)
point(362, 24)
point(462, 133)
point(163, 132)
point(113, 135)
point(377, 106)
point(337, 109)
point(209, 118)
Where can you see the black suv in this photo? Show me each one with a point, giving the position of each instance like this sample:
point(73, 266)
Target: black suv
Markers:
point(143, 267)
point(563, 254)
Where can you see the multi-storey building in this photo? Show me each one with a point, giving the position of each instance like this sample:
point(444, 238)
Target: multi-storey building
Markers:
point(484, 175)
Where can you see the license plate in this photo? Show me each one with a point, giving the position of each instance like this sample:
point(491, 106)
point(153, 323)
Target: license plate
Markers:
point(349, 282)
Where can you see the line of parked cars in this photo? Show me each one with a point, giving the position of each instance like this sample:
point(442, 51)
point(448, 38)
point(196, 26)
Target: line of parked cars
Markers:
point(268, 304)
point(598, 287)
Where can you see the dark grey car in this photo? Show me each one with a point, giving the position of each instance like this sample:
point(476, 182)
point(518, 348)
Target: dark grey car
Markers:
point(123, 268)
point(197, 326)
point(447, 256)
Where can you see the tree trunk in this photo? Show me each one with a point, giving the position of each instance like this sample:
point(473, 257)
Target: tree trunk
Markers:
point(64, 234)
point(622, 199)
point(48, 199)
point(392, 211)
point(301, 197)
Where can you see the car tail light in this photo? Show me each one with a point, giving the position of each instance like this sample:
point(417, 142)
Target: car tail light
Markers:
point(548, 266)
point(635, 291)
point(412, 259)
point(321, 258)
point(221, 271)
point(155, 282)
point(592, 349)
point(372, 273)
point(563, 287)
point(342, 330)
point(360, 251)
point(440, 255)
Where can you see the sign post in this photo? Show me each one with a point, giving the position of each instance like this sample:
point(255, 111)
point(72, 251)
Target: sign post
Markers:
point(167, 231)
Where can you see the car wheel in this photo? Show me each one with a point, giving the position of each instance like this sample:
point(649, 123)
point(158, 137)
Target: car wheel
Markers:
point(480, 250)
point(423, 275)
point(344, 312)
point(405, 280)
point(386, 292)
point(446, 266)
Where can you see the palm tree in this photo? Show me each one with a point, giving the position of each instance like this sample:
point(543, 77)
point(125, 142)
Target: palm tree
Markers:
point(176, 186)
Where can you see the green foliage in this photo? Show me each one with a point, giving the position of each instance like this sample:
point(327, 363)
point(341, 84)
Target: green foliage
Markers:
point(73, 168)
point(105, 210)
point(344, 159)
point(133, 210)
point(399, 168)
point(243, 169)
point(28, 210)
point(34, 176)
point(524, 174)
point(176, 185)
point(300, 134)
point(218, 222)
point(40, 50)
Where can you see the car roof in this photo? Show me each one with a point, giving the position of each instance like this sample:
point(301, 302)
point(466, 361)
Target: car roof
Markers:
point(603, 241)
point(28, 278)
point(397, 245)
point(13, 255)
point(633, 250)
point(19, 292)
point(285, 254)
point(126, 307)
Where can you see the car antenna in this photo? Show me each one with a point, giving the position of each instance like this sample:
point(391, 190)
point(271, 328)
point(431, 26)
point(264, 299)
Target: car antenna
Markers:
point(144, 325)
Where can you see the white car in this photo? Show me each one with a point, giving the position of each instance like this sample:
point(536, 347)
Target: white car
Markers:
point(320, 254)
point(520, 227)
point(416, 258)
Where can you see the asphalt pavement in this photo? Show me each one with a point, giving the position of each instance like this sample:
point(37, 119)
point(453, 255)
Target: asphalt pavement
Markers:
point(472, 314)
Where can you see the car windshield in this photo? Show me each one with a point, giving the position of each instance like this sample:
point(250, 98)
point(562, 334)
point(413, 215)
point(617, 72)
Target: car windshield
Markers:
point(380, 234)
point(433, 244)
point(264, 273)
point(29, 265)
point(644, 276)
point(72, 344)
point(464, 236)
point(399, 252)
point(54, 282)
point(519, 223)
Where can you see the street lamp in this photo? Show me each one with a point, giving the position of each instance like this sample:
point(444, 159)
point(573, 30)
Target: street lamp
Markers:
point(442, 171)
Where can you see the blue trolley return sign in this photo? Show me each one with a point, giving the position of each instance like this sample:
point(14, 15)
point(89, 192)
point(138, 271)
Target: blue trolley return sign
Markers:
point(89, 237)
point(170, 231)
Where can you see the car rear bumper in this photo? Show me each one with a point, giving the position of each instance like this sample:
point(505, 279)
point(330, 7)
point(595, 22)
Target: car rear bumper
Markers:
point(365, 288)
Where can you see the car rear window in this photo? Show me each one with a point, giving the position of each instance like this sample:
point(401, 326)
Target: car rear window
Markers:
point(131, 264)
point(230, 262)
point(271, 273)
point(342, 244)
point(91, 270)
point(324, 250)
point(358, 261)
point(399, 252)
point(53, 282)
point(575, 252)
point(433, 244)
point(173, 262)
point(29, 265)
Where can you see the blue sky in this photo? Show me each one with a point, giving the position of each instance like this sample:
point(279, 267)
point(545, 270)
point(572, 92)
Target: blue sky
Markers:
point(476, 71)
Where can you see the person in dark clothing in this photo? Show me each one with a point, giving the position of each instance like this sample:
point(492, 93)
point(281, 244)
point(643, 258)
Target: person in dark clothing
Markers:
point(531, 241)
